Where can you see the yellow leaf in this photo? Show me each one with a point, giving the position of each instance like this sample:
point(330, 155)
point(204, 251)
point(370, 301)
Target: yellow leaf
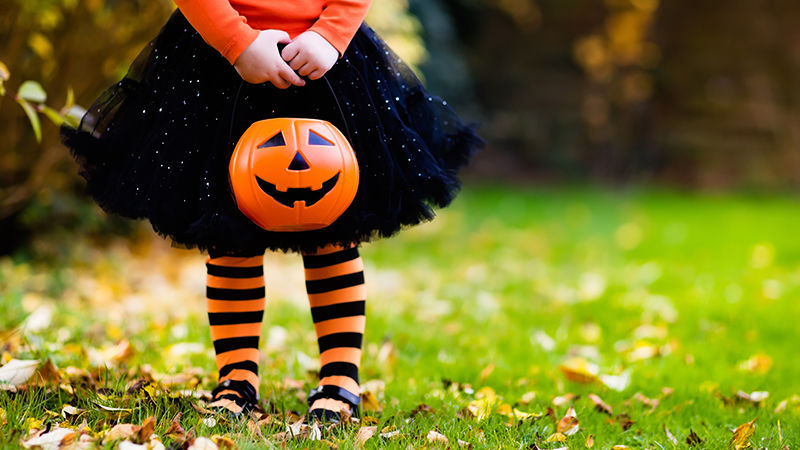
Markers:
point(742, 434)
point(557, 437)
point(32, 423)
point(4, 72)
point(40, 45)
point(758, 363)
point(505, 410)
point(369, 402)
point(579, 370)
point(590, 441)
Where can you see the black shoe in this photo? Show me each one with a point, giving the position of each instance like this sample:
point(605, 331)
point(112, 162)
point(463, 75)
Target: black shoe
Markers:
point(335, 393)
point(235, 404)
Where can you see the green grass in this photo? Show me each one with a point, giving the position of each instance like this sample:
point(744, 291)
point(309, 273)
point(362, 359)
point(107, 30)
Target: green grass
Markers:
point(718, 276)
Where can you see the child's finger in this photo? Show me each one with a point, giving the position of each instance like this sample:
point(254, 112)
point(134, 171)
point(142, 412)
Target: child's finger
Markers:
point(280, 36)
point(316, 74)
point(297, 62)
point(305, 69)
point(288, 74)
point(280, 83)
point(290, 52)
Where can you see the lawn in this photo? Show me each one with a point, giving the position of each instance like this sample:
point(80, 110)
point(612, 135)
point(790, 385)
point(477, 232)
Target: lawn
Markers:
point(658, 319)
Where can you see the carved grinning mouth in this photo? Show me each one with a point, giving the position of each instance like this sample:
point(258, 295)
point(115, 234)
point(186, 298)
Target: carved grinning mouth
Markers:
point(293, 195)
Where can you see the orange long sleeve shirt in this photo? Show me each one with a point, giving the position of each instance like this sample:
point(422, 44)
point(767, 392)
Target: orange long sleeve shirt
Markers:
point(230, 26)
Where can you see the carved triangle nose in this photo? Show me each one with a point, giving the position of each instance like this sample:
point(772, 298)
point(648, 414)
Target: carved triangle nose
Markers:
point(299, 163)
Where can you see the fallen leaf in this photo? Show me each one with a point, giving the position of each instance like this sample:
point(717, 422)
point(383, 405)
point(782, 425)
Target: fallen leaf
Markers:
point(600, 405)
point(693, 438)
point(369, 402)
point(210, 422)
point(434, 436)
point(111, 409)
point(69, 410)
point(590, 441)
point(527, 398)
point(203, 443)
point(564, 399)
point(50, 440)
point(651, 402)
point(363, 435)
point(111, 355)
point(224, 442)
point(486, 372)
point(46, 374)
point(3, 419)
point(670, 436)
point(625, 421)
point(422, 408)
point(579, 370)
point(742, 434)
point(568, 424)
point(18, 371)
point(464, 443)
point(755, 397)
point(556, 437)
point(758, 363)
point(175, 429)
point(617, 382)
point(148, 427)
point(619, 447)
point(121, 431)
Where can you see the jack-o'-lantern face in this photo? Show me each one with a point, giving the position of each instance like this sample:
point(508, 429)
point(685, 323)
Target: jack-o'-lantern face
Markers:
point(293, 174)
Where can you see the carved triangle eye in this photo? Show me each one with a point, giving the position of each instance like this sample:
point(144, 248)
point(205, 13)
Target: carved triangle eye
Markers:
point(315, 139)
point(274, 141)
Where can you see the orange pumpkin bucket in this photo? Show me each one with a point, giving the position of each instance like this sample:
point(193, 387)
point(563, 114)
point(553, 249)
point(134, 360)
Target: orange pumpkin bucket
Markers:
point(293, 174)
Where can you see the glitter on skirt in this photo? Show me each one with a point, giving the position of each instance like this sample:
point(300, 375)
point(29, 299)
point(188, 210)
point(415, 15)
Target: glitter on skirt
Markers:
point(156, 144)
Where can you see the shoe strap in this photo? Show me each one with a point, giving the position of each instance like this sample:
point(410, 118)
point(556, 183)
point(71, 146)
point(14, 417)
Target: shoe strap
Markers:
point(336, 393)
point(243, 388)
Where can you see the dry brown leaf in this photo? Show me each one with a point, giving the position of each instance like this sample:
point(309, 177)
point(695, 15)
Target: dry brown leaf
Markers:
point(600, 405)
point(17, 371)
point(742, 434)
point(148, 427)
point(370, 402)
point(121, 431)
point(224, 442)
point(579, 370)
point(651, 402)
point(590, 441)
point(436, 437)
point(175, 429)
point(363, 435)
point(422, 408)
point(463, 443)
point(693, 438)
point(625, 421)
point(46, 374)
point(568, 424)
point(670, 437)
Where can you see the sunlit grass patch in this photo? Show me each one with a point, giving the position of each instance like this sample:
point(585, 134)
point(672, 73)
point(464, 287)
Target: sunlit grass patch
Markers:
point(676, 311)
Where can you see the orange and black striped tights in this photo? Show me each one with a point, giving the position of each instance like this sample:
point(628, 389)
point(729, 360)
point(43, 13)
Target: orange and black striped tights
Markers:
point(337, 296)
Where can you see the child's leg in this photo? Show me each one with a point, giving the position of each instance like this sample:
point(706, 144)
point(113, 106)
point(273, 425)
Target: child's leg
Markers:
point(337, 294)
point(235, 300)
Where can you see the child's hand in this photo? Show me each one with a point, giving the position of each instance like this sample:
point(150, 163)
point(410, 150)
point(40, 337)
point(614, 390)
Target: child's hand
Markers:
point(261, 61)
point(309, 54)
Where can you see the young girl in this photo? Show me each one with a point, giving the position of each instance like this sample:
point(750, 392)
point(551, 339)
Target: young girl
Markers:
point(157, 145)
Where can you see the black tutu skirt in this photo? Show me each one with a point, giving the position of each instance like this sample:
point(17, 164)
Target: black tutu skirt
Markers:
point(157, 144)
